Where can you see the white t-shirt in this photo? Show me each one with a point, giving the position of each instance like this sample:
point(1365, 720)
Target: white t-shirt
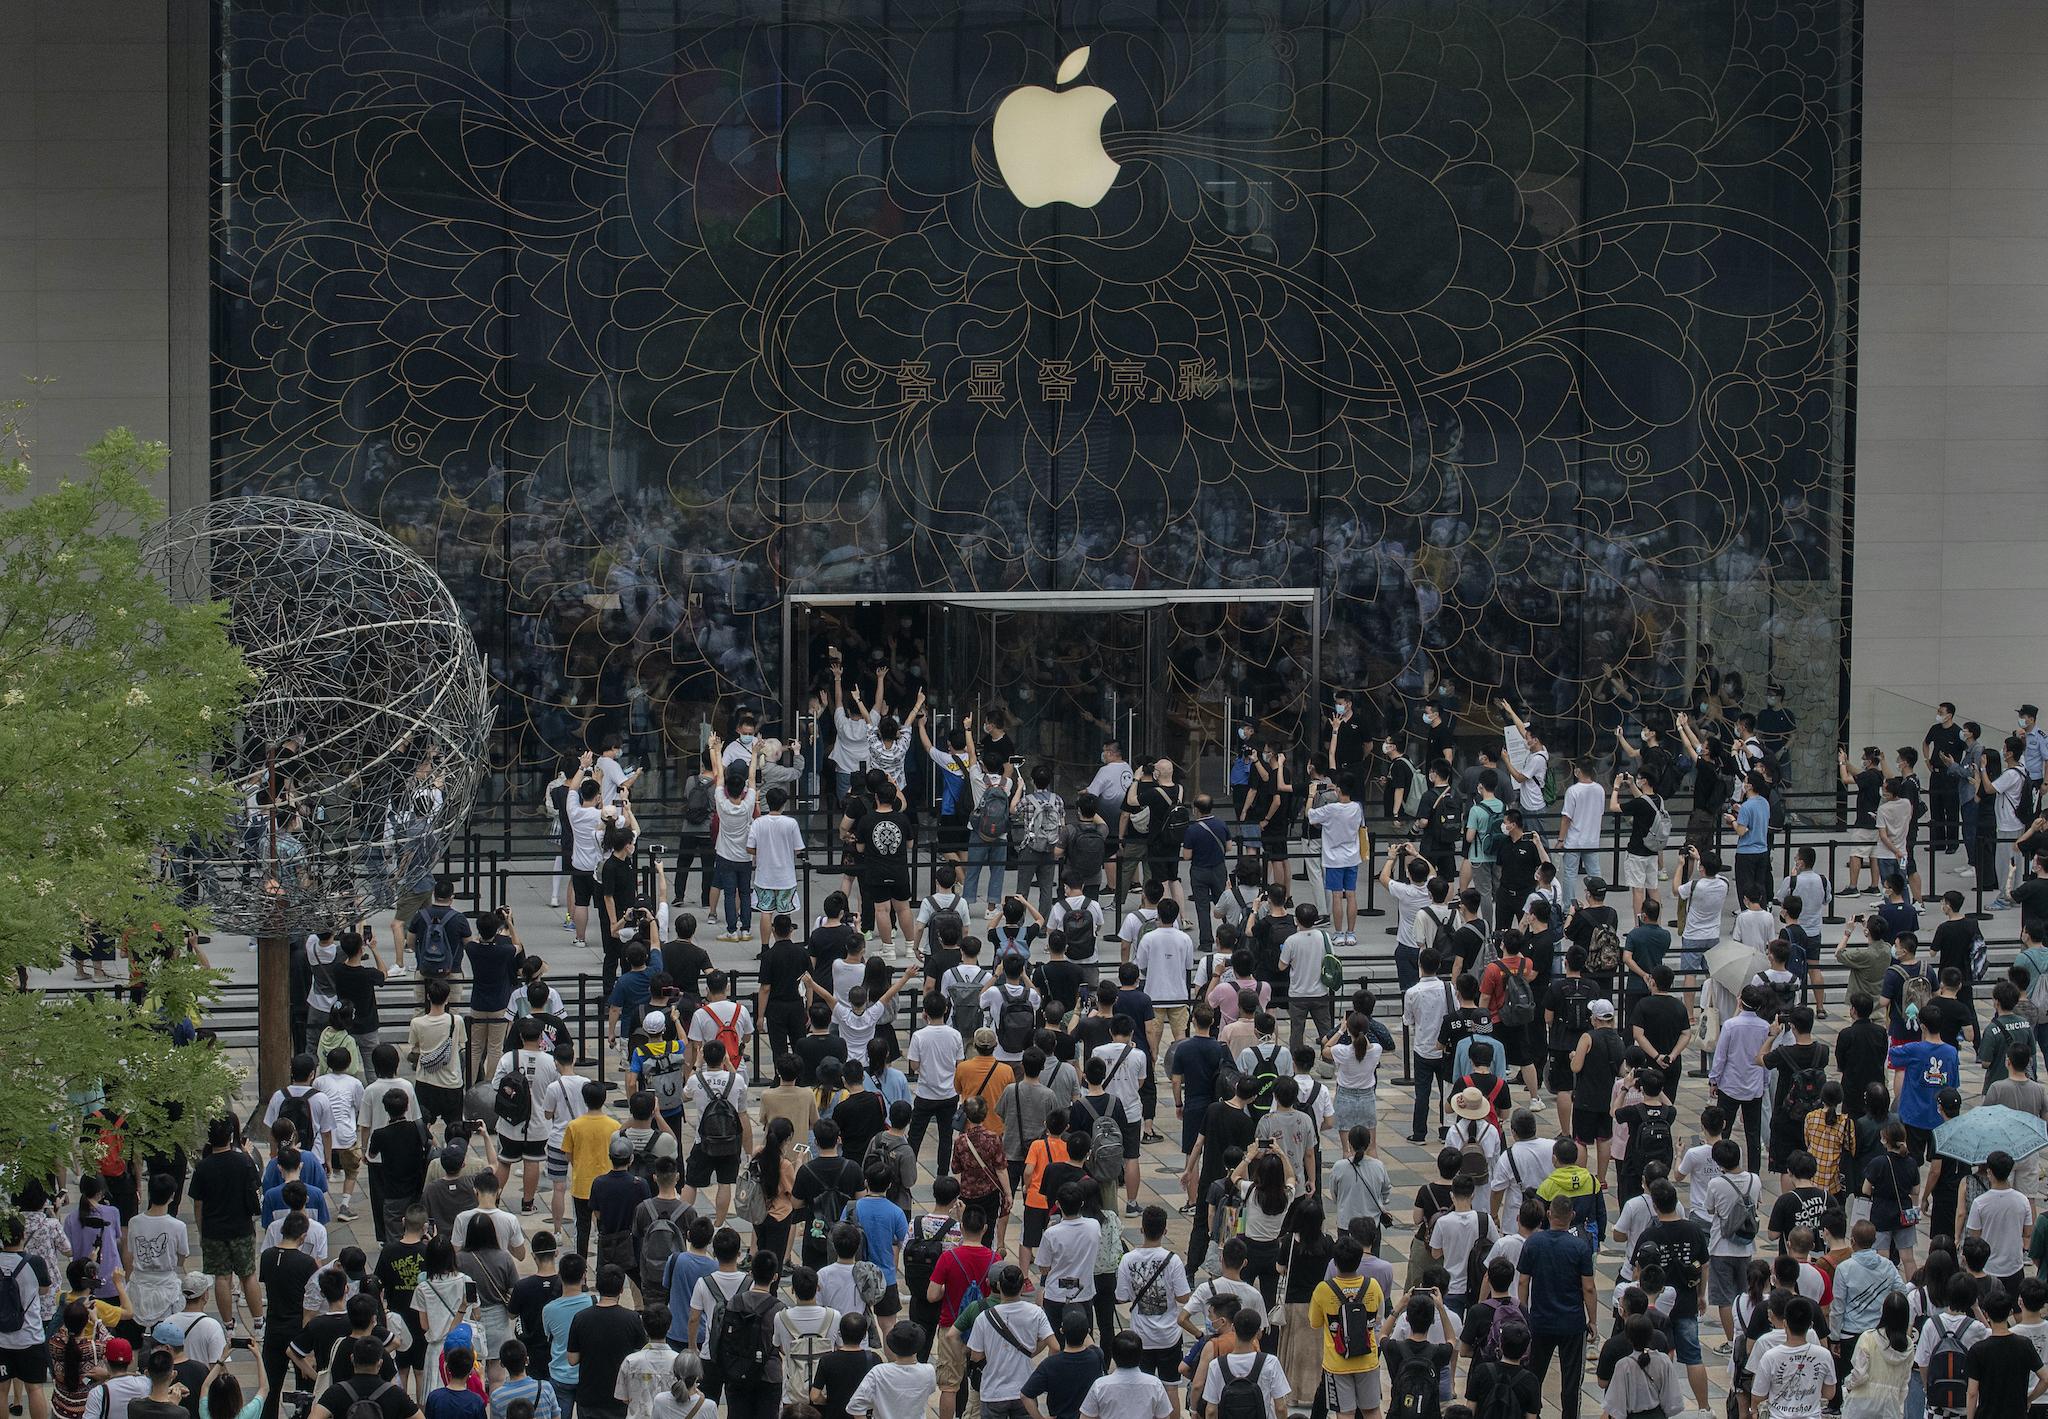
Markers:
point(1973, 1330)
point(1754, 927)
point(1340, 822)
point(1272, 1378)
point(1124, 1060)
point(1166, 955)
point(1529, 789)
point(373, 1115)
point(836, 1288)
point(1164, 1278)
point(1302, 958)
point(1110, 784)
point(319, 953)
point(1007, 1367)
point(714, 1291)
point(1135, 922)
point(735, 818)
point(850, 750)
point(776, 840)
point(1353, 1072)
point(1067, 1252)
point(609, 777)
point(1455, 1234)
point(1410, 899)
point(1248, 1296)
point(708, 1084)
point(1528, 1160)
point(1704, 899)
point(1318, 1101)
point(540, 1071)
point(1791, 1377)
point(1056, 919)
point(316, 1105)
point(935, 1052)
point(502, 1222)
point(586, 836)
point(1585, 804)
point(893, 1391)
point(2002, 1216)
point(1721, 1200)
point(1700, 1169)
point(857, 1027)
point(2007, 788)
point(1127, 1394)
point(561, 1101)
point(713, 1015)
point(1812, 890)
point(344, 1105)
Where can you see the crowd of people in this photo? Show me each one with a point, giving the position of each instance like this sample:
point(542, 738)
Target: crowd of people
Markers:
point(900, 1168)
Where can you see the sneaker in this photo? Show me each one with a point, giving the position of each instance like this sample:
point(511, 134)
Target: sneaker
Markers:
point(580, 944)
point(1189, 1209)
point(1722, 1347)
point(526, 1205)
point(554, 904)
point(1534, 1106)
point(568, 922)
point(1132, 1209)
point(2000, 904)
point(1152, 1135)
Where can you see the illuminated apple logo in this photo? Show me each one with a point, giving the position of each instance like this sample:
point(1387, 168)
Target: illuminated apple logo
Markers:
point(1049, 141)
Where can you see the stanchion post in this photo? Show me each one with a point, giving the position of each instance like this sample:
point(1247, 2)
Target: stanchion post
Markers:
point(1833, 917)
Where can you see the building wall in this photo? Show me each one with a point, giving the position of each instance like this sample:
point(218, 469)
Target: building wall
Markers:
point(84, 289)
point(1952, 409)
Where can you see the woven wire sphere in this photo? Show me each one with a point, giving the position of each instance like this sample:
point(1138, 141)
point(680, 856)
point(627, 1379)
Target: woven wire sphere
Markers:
point(360, 750)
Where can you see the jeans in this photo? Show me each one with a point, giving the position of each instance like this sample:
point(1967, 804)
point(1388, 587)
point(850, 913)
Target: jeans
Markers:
point(991, 857)
point(736, 880)
point(1407, 966)
point(1752, 1111)
point(1205, 886)
point(1300, 1009)
point(1427, 1069)
point(1038, 878)
point(923, 1111)
point(1574, 865)
point(1570, 1351)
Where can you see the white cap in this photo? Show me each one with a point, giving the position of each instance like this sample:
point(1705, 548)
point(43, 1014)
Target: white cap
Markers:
point(654, 1022)
point(1602, 1009)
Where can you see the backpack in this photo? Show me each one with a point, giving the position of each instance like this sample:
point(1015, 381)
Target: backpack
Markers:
point(1505, 1314)
point(1077, 930)
point(2037, 989)
point(1415, 1385)
point(740, 1343)
point(922, 1254)
point(882, 1149)
point(1589, 1215)
point(718, 1131)
point(1475, 1259)
point(750, 1199)
point(1148, 1297)
point(1087, 850)
point(1044, 815)
point(1265, 1074)
point(513, 1101)
point(728, 1032)
point(1659, 832)
point(1948, 1368)
point(1016, 1021)
point(1980, 959)
point(435, 954)
point(1518, 1003)
point(992, 817)
point(1472, 1154)
point(366, 1406)
point(801, 1365)
point(1351, 1327)
point(966, 999)
point(1802, 1094)
point(1742, 1224)
point(1603, 952)
point(1650, 1140)
point(826, 1209)
point(868, 1283)
point(1105, 1161)
point(1333, 968)
point(1174, 824)
point(1490, 837)
point(13, 1315)
point(1244, 1397)
point(297, 1110)
point(662, 1240)
point(1915, 994)
point(942, 917)
point(696, 810)
point(1576, 1012)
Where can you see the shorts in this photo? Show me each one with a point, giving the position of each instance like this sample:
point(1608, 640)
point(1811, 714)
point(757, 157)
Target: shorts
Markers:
point(231, 1256)
point(1340, 879)
point(511, 1150)
point(949, 1357)
point(1175, 1018)
point(1035, 1219)
point(1560, 1073)
point(1727, 1278)
point(30, 1364)
point(1692, 959)
point(411, 904)
point(1163, 1365)
point(1638, 872)
point(883, 884)
point(1131, 1136)
point(583, 887)
point(1273, 847)
point(348, 1161)
point(1348, 1394)
point(774, 899)
point(438, 1102)
point(703, 1169)
point(557, 1164)
point(1901, 1240)
point(1685, 1339)
point(1591, 1127)
point(1162, 869)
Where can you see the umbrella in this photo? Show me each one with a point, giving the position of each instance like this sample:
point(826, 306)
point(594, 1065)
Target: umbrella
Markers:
point(1732, 966)
point(1988, 1129)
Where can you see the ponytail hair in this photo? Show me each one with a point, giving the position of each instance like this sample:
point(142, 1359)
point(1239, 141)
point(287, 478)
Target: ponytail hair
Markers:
point(1361, 1037)
point(1831, 1100)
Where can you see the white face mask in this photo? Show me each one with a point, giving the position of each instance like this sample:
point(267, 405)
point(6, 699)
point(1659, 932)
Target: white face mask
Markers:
point(747, 739)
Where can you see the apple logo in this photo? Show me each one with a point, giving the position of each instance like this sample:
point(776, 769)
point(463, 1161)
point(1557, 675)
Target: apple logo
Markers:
point(1049, 141)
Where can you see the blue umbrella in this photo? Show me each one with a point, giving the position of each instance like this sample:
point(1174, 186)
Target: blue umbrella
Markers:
point(1988, 1129)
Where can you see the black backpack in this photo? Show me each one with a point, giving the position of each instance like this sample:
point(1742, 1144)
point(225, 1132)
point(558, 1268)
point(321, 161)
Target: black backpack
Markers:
point(366, 1406)
point(1415, 1383)
point(697, 803)
point(1244, 1397)
point(1802, 1093)
point(718, 1131)
point(13, 1315)
point(1650, 1140)
point(297, 1110)
point(1948, 1368)
point(513, 1101)
point(940, 918)
point(921, 1256)
point(1016, 1021)
point(740, 1344)
point(1173, 823)
point(1087, 849)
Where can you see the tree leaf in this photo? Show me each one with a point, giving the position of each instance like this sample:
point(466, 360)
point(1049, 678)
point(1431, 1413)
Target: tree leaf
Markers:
point(1072, 65)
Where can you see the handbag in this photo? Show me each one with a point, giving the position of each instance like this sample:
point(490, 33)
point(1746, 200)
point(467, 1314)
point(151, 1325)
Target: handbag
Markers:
point(1909, 1216)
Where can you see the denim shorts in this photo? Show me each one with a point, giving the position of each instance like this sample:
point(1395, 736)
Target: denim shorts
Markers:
point(1685, 1340)
point(1340, 879)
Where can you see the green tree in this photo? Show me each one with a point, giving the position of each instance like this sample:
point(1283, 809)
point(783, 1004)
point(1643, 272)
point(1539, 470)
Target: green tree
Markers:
point(113, 698)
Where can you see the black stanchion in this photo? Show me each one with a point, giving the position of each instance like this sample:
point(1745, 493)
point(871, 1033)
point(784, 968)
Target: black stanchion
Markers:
point(1833, 917)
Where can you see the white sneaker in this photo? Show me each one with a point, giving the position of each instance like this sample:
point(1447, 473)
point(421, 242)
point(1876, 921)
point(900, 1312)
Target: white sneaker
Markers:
point(554, 905)
point(1534, 1106)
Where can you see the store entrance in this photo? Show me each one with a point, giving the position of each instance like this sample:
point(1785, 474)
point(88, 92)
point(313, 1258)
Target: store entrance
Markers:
point(1164, 676)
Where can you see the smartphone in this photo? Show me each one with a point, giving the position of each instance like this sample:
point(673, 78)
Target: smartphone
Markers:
point(469, 1292)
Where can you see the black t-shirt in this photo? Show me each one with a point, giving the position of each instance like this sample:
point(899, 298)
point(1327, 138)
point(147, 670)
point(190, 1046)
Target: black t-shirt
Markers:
point(1224, 1127)
point(1593, 1085)
point(619, 880)
point(338, 1399)
point(1786, 1061)
point(1062, 981)
point(2031, 897)
point(861, 1118)
point(1466, 942)
point(1801, 1207)
point(602, 1337)
point(284, 1273)
point(827, 944)
point(884, 838)
point(530, 1296)
point(1708, 786)
point(1092, 1032)
point(1159, 797)
point(1860, 1054)
point(1640, 815)
point(1518, 859)
point(317, 1338)
point(400, 1150)
point(398, 1272)
point(838, 1375)
point(1680, 1247)
point(686, 962)
point(813, 1050)
point(1063, 1379)
point(1952, 942)
point(1662, 1019)
point(1869, 789)
point(224, 1185)
point(783, 968)
point(1944, 739)
point(357, 984)
point(147, 1408)
point(1459, 1025)
point(2002, 1366)
point(1618, 1348)
point(995, 749)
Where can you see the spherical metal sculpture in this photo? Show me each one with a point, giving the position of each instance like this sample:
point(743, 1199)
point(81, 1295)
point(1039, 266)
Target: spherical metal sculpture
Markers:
point(360, 750)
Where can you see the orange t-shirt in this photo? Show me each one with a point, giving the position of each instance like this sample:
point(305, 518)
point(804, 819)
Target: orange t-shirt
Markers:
point(988, 1077)
point(1044, 1152)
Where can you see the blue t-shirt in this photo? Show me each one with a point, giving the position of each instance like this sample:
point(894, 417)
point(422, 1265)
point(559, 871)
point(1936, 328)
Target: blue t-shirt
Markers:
point(316, 1200)
point(1204, 841)
point(491, 973)
point(630, 993)
point(555, 1318)
point(1929, 1067)
point(1199, 1061)
point(445, 1403)
point(1753, 817)
point(685, 1270)
point(1063, 1379)
point(312, 1172)
point(1554, 1262)
point(883, 1229)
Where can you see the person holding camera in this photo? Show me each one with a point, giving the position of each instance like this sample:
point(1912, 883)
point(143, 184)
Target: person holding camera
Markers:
point(495, 954)
point(1704, 891)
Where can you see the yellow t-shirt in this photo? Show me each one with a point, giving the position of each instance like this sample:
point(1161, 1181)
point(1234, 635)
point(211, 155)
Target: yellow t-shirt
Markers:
point(587, 1141)
point(1322, 1310)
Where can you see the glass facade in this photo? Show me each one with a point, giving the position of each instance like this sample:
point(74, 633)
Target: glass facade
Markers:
point(1521, 331)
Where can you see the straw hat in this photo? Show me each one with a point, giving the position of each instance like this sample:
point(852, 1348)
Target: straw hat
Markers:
point(1470, 1104)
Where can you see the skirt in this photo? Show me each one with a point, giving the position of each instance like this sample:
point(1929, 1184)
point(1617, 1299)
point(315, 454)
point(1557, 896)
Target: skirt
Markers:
point(1354, 1107)
point(1301, 1348)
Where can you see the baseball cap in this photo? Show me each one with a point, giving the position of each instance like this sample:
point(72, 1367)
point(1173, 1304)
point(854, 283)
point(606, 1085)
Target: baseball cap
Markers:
point(120, 1351)
point(196, 1283)
point(984, 1038)
point(621, 1148)
point(1596, 886)
point(654, 1022)
point(1601, 1009)
point(169, 1333)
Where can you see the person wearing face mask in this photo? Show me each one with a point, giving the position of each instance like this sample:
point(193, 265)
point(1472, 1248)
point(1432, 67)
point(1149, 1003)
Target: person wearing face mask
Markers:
point(2034, 753)
point(1241, 755)
point(1439, 734)
point(1402, 781)
point(1346, 750)
point(746, 729)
